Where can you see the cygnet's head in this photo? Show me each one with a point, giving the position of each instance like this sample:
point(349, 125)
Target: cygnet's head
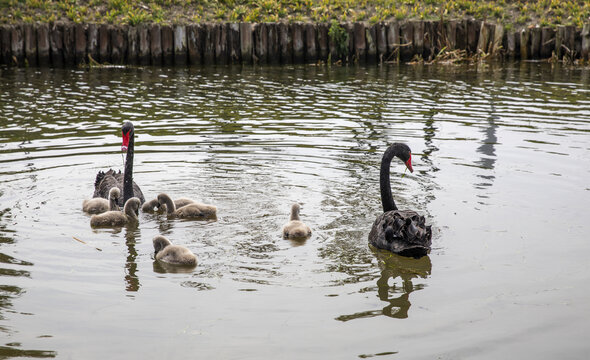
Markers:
point(114, 193)
point(160, 242)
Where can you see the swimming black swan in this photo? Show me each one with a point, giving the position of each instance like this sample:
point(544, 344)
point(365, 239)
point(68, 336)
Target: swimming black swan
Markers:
point(400, 231)
point(295, 228)
point(173, 254)
point(105, 181)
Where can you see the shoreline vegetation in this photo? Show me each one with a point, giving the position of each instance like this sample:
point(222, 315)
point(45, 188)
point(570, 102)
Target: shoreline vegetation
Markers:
point(511, 14)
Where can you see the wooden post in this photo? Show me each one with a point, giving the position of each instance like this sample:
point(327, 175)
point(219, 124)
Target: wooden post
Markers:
point(180, 45)
point(349, 27)
point(167, 45)
point(221, 44)
point(393, 41)
point(274, 48)
point(547, 42)
point(286, 41)
point(360, 42)
point(246, 48)
point(461, 36)
point(194, 44)
point(586, 41)
point(133, 45)
point(30, 44)
point(535, 42)
point(5, 48)
point(92, 42)
point(261, 43)
point(371, 44)
point(311, 50)
point(80, 50)
point(472, 29)
point(69, 48)
point(56, 43)
point(118, 44)
point(104, 44)
point(144, 56)
point(429, 41)
point(450, 35)
point(233, 33)
point(525, 44)
point(297, 33)
point(323, 41)
point(407, 36)
point(156, 44)
point(497, 41)
point(43, 45)
point(381, 33)
point(511, 45)
point(418, 37)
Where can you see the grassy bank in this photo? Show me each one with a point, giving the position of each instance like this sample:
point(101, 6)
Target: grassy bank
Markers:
point(513, 14)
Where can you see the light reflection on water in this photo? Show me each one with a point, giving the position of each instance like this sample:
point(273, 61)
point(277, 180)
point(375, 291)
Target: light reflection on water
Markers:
point(499, 153)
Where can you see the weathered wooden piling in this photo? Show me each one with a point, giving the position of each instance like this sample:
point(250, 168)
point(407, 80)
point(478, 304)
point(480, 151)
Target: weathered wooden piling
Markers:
point(92, 48)
point(104, 44)
point(81, 43)
point(486, 34)
point(221, 44)
point(194, 44)
point(233, 34)
point(17, 45)
point(360, 42)
point(472, 29)
point(498, 40)
point(69, 49)
point(132, 45)
point(393, 42)
point(167, 34)
point(30, 44)
point(323, 41)
point(261, 43)
point(525, 44)
point(43, 45)
point(207, 36)
point(180, 45)
point(246, 42)
point(274, 47)
point(407, 37)
point(371, 44)
point(535, 40)
point(297, 34)
point(511, 45)
point(286, 41)
point(118, 45)
point(311, 48)
point(547, 42)
point(5, 50)
point(144, 49)
point(155, 45)
point(585, 34)
point(56, 42)
point(449, 38)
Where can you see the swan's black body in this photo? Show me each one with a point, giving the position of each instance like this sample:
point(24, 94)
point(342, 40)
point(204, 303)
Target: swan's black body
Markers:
point(403, 232)
point(124, 181)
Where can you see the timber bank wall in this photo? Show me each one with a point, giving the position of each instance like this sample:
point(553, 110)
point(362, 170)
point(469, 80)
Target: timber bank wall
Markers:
point(280, 43)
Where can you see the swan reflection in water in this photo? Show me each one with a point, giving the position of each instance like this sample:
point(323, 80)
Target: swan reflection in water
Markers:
point(394, 266)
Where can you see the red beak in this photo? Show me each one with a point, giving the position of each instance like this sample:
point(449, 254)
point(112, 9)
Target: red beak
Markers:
point(409, 164)
point(125, 143)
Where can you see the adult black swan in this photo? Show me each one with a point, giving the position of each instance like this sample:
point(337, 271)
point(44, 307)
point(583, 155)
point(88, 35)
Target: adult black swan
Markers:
point(400, 231)
point(124, 181)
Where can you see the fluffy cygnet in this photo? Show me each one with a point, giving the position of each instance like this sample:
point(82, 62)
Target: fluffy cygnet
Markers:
point(173, 254)
point(117, 218)
point(295, 228)
point(192, 210)
point(99, 205)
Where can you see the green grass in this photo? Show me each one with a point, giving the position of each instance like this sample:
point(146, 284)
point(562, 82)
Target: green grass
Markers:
point(518, 13)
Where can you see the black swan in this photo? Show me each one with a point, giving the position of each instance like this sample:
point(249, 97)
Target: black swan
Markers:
point(173, 254)
point(100, 205)
point(400, 231)
point(295, 228)
point(105, 181)
point(117, 218)
point(191, 210)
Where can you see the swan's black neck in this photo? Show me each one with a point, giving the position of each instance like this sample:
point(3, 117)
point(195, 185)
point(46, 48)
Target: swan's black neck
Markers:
point(128, 176)
point(397, 150)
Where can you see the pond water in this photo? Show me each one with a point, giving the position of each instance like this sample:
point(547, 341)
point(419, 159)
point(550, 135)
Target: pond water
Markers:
point(501, 171)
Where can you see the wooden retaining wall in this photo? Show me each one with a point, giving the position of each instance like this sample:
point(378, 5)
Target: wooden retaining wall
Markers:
point(279, 43)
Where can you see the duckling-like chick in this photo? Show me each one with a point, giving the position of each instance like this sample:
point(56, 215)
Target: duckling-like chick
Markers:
point(99, 205)
point(150, 206)
point(173, 254)
point(295, 228)
point(117, 218)
point(192, 210)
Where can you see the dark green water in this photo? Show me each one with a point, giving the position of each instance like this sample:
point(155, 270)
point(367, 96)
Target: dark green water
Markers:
point(502, 172)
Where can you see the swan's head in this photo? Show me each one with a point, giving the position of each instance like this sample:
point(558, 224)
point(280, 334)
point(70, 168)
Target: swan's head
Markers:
point(405, 154)
point(295, 209)
point(160, 242)
point(127, 131)
point(132, 205)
